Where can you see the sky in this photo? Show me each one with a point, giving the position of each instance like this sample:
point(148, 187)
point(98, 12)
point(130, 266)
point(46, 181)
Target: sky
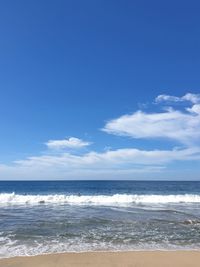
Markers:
point(99, 90)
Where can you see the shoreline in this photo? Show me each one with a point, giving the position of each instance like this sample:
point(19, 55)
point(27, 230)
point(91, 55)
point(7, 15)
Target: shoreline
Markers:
point(156, 258)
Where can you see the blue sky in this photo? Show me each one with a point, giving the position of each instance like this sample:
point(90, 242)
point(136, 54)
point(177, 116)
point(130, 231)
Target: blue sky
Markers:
point(85, 89)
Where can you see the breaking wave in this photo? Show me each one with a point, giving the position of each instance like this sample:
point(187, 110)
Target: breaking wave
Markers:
point(116, 199)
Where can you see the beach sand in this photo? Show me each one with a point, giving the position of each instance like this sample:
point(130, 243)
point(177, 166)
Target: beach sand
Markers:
point(109, 259)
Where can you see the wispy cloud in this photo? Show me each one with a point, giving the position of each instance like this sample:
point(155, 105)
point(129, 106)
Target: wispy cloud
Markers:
point(182, 126)
point(111, 164)
point(193, 98)
point(120, 158)
point(72, 142)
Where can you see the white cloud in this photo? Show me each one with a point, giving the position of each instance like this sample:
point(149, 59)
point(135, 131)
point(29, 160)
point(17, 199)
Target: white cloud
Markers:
point(122, 162)
point(72, 142)
point(162, 98)
point(193, 98)
point(194, 109)
point(182, 126)
point(179, 125)
point(112, 159)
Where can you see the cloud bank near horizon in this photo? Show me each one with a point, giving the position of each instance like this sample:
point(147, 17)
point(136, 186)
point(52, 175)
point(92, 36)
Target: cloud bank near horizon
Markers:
point(175, 125)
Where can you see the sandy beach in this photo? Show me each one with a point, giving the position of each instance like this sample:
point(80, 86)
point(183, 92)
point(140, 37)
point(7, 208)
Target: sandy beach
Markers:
point(109, 259)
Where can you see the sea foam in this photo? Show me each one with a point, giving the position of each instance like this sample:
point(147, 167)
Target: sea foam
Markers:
point(116, 199)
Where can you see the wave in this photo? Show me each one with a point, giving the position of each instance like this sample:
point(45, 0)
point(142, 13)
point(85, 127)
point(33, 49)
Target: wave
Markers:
point(115, 200)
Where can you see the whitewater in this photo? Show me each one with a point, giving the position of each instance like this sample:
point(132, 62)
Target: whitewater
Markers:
point(65, 216)
point(116, 199)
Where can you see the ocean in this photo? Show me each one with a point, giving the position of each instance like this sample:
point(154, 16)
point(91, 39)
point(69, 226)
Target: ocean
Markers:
point(39, 217)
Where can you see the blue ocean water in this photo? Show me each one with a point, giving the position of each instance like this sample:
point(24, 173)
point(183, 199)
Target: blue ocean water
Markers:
point(58, 216)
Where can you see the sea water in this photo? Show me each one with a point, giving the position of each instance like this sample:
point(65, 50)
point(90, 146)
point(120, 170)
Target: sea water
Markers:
point(39, 217)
